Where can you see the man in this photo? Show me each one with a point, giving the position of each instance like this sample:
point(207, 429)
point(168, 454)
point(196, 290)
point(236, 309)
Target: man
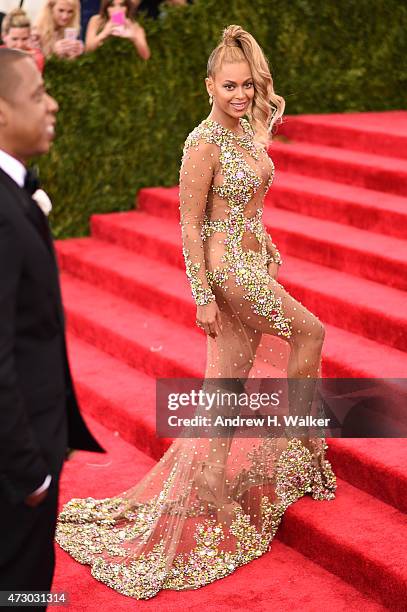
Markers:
point(39, 415)
point(16, 34)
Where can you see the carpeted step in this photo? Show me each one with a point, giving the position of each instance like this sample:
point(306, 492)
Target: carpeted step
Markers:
point(367, 170)
point(157, 238)
point(362, 253)
point(123, 400)
point(375, 465)
point(116, 395)
point(357, 305)
point(357, 537)
point(366, 209)
point(379, 258)
point(348, 355)
point(155, 345)
point(363, 357)
point(154, 285)
point(274, 580)
point(382, 133)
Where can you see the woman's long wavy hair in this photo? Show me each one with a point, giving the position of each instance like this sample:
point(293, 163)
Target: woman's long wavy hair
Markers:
point(267, 108)
point(45, 26)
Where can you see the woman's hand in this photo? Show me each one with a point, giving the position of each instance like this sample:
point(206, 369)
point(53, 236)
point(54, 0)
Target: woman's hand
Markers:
point(208, 319)
point(68, 48)
point(273, 269)
point(62, 47)
point(107, 31)
point(76, 49)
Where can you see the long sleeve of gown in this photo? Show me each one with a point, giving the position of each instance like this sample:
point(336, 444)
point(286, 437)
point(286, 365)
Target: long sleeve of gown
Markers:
point(196, 176)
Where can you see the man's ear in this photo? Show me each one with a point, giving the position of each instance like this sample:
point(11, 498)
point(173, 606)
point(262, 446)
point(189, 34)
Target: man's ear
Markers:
point(209, 85)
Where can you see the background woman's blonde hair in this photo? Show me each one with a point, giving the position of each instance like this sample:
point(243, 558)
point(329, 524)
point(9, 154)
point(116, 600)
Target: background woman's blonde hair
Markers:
point(45, 27)
point(15, 19)
point(267, 107)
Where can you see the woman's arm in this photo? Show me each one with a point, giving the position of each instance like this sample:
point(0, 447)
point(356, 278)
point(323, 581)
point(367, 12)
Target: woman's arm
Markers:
point(138, 37)
point(196, 175)
point(93, 40)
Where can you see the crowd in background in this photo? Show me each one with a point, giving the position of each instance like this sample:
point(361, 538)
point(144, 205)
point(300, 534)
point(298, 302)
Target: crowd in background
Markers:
point(69, 28)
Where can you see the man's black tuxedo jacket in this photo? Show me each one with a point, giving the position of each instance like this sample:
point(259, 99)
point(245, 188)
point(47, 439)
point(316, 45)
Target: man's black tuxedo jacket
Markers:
point(39, 415)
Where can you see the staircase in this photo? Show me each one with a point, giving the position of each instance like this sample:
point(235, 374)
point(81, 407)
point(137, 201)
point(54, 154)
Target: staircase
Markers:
point(338, 213)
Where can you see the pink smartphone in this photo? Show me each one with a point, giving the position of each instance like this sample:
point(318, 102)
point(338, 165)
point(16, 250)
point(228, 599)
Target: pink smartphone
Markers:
point(118, 18)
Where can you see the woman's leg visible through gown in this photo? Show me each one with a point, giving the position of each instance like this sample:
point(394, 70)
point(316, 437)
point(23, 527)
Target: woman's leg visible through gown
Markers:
point(231, 354)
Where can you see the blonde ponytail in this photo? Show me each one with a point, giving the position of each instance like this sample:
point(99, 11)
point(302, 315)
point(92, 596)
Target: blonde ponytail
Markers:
point(267, 107)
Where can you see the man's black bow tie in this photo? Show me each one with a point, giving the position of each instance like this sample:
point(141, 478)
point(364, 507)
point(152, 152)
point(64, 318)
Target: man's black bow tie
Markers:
point(31, 182)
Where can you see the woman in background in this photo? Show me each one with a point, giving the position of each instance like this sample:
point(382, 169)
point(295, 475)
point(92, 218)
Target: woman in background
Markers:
point(16, 34)
point(57, 28)
point(115, 19)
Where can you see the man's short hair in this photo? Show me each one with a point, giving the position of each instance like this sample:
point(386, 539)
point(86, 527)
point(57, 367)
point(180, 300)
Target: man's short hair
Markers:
point(9, 77)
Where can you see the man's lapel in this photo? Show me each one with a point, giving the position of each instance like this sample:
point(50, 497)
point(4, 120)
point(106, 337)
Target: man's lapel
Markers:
point(31, 210)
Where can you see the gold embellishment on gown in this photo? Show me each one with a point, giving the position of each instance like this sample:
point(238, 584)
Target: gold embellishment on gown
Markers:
point(200, 294)
point(88, 527)
point(240, 183)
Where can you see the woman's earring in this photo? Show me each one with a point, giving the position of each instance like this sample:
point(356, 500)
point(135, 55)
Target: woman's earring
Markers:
point(210, 98)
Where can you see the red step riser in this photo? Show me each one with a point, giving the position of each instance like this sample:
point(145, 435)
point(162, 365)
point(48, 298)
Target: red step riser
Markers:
point(135, 355)
point(369, 476)
point(375, 580)
point(344, 137)
point(389, 222)
point(375, 268)
point(385, 180)
point(150, 246)
point(350, 317)
point(164, 206)
point(144, 295)
point(129, 426)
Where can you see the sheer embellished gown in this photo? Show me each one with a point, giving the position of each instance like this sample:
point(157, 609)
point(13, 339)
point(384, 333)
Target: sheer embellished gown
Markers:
point(213, 504)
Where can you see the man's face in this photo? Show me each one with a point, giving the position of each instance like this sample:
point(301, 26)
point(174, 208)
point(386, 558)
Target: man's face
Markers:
point(18, 38)
point(27, 116)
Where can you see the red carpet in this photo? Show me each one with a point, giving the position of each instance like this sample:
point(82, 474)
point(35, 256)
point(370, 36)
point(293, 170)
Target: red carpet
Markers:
point(338, 213)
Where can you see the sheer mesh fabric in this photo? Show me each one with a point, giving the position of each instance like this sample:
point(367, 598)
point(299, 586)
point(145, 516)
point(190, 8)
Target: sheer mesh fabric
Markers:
point(211, 505)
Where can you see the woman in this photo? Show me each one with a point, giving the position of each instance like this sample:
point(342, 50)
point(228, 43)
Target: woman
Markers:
point(106, 24)
point(56, 22)
point(214, 503)
point(16, 34)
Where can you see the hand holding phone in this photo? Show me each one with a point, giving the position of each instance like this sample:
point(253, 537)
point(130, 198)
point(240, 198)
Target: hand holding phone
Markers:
point(118, 19)
point(70, 33)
